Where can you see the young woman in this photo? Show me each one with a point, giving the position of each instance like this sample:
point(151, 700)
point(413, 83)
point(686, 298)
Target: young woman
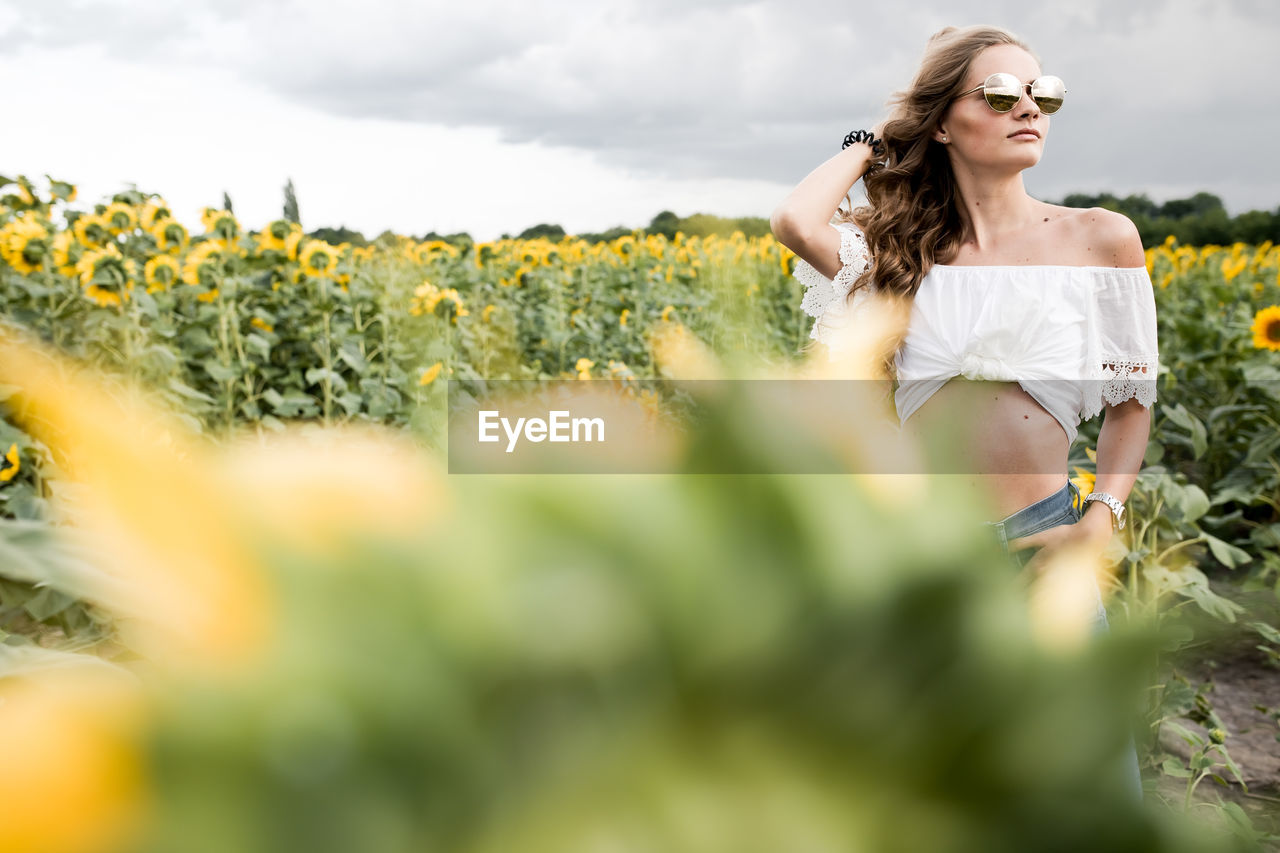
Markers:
point(1025, 317)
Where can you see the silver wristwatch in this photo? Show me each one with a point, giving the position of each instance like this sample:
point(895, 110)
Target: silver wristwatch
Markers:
point(1113, 503)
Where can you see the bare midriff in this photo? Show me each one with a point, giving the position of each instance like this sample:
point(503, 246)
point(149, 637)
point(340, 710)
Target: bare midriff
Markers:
point(1004, 447)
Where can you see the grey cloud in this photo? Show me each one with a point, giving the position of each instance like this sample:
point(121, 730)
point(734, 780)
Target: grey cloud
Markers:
point(724, 89)
point(124, 29)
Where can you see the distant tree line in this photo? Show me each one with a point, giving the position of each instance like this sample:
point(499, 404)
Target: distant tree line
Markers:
point(1194, 221)
point(1197, 221)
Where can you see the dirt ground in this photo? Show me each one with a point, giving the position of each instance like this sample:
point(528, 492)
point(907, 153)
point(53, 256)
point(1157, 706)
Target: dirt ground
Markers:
point(1244, 692)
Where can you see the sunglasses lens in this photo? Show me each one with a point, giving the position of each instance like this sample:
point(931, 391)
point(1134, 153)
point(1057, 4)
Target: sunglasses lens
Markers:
point(1048, 92)
point(1002, 92)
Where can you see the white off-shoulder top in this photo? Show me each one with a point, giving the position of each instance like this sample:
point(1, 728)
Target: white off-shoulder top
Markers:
point(1074, 337)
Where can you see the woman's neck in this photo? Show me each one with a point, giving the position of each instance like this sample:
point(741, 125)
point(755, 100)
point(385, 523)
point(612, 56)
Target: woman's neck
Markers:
point(995, 212)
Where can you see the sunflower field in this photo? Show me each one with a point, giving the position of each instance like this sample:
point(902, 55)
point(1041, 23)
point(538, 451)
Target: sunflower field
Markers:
point(244, 606)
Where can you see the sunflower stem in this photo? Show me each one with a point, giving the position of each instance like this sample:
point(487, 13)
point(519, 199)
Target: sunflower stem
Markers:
point(238, 340)
point(326, 355)
point(224, 356)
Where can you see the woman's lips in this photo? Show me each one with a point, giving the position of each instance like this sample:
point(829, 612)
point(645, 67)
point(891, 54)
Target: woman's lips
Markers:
point(1024, 135)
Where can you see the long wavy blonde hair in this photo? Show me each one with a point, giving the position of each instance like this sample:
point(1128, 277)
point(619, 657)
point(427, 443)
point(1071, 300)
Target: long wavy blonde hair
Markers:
point(913, 218)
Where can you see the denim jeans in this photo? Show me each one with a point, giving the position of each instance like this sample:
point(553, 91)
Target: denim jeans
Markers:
point(1061, 507)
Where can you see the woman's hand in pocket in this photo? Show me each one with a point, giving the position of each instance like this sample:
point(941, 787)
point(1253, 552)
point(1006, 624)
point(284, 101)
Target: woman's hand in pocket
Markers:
point(1087, 539)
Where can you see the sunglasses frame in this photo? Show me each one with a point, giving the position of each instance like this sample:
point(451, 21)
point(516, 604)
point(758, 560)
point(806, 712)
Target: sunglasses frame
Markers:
point(1029, 88)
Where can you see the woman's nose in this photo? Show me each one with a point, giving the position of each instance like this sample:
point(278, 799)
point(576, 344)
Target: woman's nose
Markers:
point(1026, 104)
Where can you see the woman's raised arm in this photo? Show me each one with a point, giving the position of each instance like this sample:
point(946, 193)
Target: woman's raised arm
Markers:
point(801, 221)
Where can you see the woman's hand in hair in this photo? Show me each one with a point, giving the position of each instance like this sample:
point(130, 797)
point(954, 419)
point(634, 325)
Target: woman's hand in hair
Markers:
point(878, 132)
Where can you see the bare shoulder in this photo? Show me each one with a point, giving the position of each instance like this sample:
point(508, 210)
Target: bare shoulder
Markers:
point(1111, 237)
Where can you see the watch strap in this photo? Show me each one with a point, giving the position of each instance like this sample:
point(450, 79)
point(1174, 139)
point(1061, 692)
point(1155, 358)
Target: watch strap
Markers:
point(1113, 503)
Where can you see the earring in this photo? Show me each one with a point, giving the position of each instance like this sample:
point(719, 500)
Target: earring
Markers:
point(944, 139)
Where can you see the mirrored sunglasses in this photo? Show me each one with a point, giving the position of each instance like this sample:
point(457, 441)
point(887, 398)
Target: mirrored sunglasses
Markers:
point(1002, 92)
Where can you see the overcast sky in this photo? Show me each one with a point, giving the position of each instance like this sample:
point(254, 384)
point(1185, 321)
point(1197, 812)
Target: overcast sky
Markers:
point(490, 117)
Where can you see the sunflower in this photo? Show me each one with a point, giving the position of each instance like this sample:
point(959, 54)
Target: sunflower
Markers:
point(523, 273)
point(1085, 480)
point(619, 371)
point(120, 217)
point(1233, 266)
point(154, 212)
point(24, 242)
point(161, 273)
point(583, 367)
point(1266, 328)
point(425, 253)
point(446, 248)
point(10, 464)
point(624, 247)
point(170, 235)
point(92, 230)
point(67, 252)
point(221, 225)
point(429, 375)
point(428, 297)
point(318, 258)
point(272, 238)
point(291, 244)
point(231, 247)
point(201, 266)
point(453, 304)
point(106, 275)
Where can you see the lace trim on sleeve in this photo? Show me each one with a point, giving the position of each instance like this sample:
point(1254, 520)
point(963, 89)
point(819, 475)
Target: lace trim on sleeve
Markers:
point(824, 297)
point(1122, 379)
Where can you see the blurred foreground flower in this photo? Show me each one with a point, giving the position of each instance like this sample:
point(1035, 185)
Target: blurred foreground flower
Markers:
point(857, 345)
point(316, 491)
point(554, 664)
point(71, 730)
point(680, 355)
point(144, 492)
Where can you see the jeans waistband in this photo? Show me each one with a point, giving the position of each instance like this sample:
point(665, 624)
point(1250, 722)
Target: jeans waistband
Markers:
point(1060, 504)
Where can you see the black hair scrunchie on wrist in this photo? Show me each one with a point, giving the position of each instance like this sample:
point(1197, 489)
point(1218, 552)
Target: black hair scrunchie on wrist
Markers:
point(877, 145)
